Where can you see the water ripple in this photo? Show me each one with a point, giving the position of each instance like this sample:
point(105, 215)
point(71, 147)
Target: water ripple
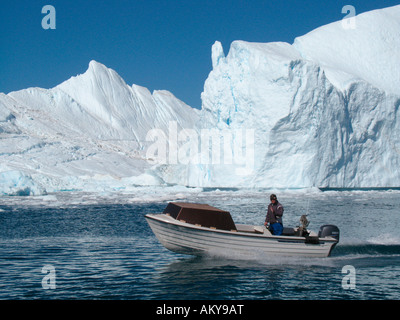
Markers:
point(107, 251)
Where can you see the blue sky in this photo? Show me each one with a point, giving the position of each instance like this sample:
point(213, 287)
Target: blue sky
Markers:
point(152, 43)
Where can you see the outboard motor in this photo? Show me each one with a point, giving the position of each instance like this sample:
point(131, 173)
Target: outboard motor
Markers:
point(329, 230)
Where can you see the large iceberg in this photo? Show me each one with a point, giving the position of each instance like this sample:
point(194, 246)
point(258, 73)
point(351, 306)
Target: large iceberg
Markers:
point(324, 110)
point(321, 112)
point(86, 134)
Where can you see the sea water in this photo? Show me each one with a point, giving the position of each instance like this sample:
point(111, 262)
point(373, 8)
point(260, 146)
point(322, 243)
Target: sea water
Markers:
point(93, 246)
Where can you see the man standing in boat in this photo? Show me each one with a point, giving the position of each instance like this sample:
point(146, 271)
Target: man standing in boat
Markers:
point(274, 216)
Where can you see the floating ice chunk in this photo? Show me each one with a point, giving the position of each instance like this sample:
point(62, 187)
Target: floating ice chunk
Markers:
point(17, 183)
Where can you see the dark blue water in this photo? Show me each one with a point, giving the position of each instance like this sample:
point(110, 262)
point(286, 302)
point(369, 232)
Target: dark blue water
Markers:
point(107, 251)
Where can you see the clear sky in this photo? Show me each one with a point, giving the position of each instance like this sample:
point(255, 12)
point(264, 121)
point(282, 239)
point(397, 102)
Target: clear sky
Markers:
point(153, 43)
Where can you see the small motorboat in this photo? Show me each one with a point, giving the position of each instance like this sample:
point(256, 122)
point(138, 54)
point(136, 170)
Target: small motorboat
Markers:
point(198, 229)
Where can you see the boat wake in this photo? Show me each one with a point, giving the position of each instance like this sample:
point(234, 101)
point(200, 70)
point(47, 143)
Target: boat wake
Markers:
point(367, 249)
point(384, 244)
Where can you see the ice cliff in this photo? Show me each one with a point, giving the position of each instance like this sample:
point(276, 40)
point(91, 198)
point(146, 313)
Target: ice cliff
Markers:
point(321, 112)
point(324, 109)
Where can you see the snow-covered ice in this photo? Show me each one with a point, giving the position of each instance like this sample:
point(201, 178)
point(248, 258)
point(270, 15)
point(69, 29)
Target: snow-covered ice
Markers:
point(321, 112)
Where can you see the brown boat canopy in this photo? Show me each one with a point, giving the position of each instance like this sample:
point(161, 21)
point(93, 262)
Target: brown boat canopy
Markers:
point(201, 214)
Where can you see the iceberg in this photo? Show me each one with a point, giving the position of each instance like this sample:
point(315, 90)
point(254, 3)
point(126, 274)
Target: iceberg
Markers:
point(324, 109)
point(90, 126)
point(319, 113)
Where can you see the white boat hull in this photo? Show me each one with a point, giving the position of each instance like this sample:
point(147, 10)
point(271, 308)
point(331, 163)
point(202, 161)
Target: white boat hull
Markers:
point(191, 239)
